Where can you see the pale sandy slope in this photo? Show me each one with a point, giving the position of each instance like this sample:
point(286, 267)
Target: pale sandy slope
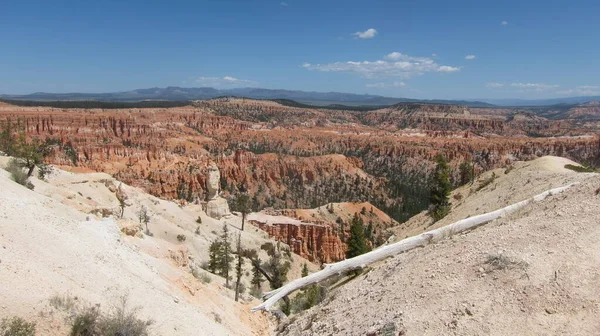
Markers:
point(548, 282)
point(49, 245)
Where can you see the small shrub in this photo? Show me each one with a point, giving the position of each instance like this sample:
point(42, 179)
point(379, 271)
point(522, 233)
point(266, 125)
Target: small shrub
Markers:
point(500, 262)
point(197, 230)
point(199, 220)
point(43, 171)
point(579, 169)
point(64, 302)
point(17, 173)
point(123, 321)
point(509, 169)
point(16, 326)
point(457, 196)
point(201, 275)
point(487, 182)
point(389, 329)
point(256, 292)
point(181, 237)
point(439, 212)
point(217, 318)
point(86, 323)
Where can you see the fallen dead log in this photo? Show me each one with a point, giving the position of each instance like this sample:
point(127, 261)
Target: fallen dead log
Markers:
point(404, 245)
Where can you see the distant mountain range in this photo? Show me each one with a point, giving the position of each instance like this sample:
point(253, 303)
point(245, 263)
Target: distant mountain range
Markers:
point(173, 93)
point(542, 102)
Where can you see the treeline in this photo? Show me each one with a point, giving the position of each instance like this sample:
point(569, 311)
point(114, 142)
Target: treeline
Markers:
point(92, 104)
point(362, 108)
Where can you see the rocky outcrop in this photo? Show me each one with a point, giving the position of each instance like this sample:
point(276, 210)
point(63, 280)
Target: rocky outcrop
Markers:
point(216, 206)
point(317, 243)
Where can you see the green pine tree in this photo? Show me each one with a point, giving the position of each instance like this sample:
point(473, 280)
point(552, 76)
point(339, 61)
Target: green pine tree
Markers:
point(304, 270)
point(440, 190)
point(257, 276)
point(242, 204)
point(357, 244)
point(214, 252)
point(225, 256)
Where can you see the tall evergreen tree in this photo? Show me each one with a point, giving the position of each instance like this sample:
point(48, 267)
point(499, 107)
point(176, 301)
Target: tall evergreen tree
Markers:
point(257, 276)
point(440, 189)
point(357, 244)
point(467, 172)
point(225, 257)
point(214, 252)
point(242, 204)
point(278, 270)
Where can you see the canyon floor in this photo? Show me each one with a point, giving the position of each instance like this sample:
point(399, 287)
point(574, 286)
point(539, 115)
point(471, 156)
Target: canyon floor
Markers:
point(534, 272)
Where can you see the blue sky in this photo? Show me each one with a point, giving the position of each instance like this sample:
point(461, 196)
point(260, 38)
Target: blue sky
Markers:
point(420, 49)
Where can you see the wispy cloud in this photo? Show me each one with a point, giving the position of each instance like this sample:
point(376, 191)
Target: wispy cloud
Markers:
point(394, 65)
point(583, 90)
point(385, 85)
point(494, 85)
point(434, 55)
point(284, 4)
point(470, 57)
point(537, 87)
point(367, 34)
point(224, 81)
point(504, 23)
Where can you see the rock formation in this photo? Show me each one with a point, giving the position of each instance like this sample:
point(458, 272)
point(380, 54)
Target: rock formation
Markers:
point(289, 157)
point(317, 243)
point(216, 206)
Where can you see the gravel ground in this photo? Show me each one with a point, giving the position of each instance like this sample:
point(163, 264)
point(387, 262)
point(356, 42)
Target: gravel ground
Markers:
point(535, 272)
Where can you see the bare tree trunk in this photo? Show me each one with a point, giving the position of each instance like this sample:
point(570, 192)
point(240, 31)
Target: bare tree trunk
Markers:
point(402, 246)
point(243, 220)
point(30, 171)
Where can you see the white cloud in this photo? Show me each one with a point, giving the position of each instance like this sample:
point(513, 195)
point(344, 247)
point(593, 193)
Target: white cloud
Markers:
point(284, 4)
point(395, 65)
point(583, 90)
point(434, 55)
point(504, 23)
point(385, 85)
point(494, 85)
point(538, 87)
point(367, 34)
point(470, 57)
point(224, 81)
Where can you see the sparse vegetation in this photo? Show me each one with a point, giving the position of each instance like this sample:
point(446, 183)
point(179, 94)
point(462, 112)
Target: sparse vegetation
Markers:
point(17, 173)
point(122, 320)
point(579, 169)
point(486, 182)
point(16, 326)
point(181, 238)
point(143, 217)
point(501, 262)
point(201, 275)
point(64, 302)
